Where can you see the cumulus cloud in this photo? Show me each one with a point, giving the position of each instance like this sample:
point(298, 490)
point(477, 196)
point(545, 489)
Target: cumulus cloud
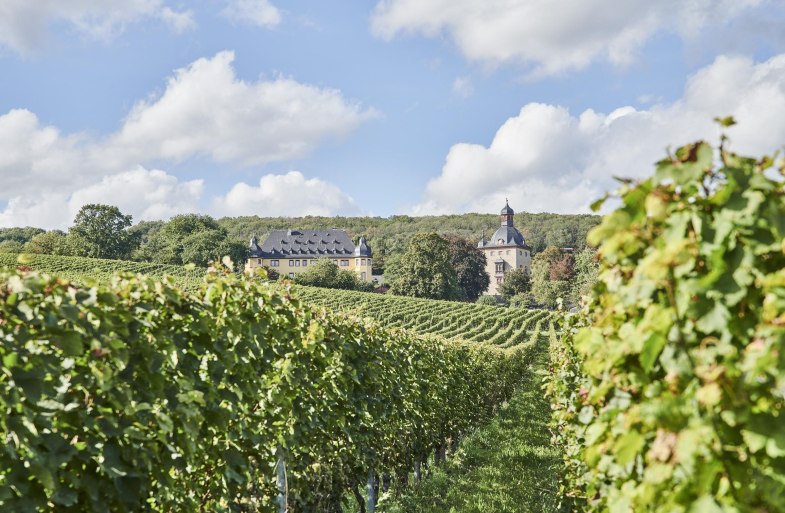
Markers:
point(24, 24)
point(255, 12)
point(145, 194)
point(547, 159)
point(552, 35)
point(36, 157)
point(206, 109)
point(291, 194)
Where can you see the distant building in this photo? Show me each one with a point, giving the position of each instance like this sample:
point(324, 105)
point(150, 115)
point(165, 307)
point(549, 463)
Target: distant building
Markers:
point(505, 250)
point(290, 252)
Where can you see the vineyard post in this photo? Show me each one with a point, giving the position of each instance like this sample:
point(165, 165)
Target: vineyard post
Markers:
point(281, 480)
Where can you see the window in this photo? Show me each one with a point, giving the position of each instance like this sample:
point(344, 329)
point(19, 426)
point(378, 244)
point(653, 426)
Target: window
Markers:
point(297, 263)
point(273, 263)
point(498, 280)
point(291, 275)
point(356, 262)
point(520, 252)
point(291, 263)
point(259, 262)
point(499, 267)
point(305, 263)
point(344, 263)
point(362, 261)
point(363, 275)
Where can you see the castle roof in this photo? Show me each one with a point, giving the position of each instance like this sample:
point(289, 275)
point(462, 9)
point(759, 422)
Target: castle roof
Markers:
point(362, 249)
point(506, 235)
point(306, 244)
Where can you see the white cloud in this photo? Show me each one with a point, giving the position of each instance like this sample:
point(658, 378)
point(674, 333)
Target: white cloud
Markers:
point(552, 35)
point(145, 194)
point(35, 157)
point(462, 86)
point(207, 110)
point(285, 195)
point(24, 24)
point(256, 12)
point(546, 159)
point(179, 22)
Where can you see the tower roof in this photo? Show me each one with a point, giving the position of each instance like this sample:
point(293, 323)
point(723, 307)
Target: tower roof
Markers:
point(362, 249)
point(507, 210)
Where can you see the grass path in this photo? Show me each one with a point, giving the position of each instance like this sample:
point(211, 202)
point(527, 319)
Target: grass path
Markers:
point(509, 466)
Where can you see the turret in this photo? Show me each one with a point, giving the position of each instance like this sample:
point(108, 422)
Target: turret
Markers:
point(507, 214)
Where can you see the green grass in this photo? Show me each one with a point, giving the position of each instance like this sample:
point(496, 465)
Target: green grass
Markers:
point(508, 466)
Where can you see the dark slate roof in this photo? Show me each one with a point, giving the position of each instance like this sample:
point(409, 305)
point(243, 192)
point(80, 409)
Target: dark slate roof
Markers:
point(507, 210)
point(305, 244)
point(507, 236)
point(362, 249)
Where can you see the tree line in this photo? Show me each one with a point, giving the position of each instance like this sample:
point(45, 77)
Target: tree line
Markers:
point(432, 257)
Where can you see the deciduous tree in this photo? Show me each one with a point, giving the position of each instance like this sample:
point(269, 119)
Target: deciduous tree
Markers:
point(516, 281)
point(425, 270)
point(100, 231)
point(469, 263)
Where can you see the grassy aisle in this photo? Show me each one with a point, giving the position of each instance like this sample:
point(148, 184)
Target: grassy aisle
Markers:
point(508, 466)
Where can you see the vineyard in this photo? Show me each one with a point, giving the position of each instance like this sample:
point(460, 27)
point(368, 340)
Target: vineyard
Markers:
point(100, 270)
point(208, 392)
point(500, 327)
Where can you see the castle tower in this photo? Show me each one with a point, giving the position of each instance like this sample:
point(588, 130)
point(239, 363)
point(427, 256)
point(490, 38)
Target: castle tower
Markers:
point(506, 250)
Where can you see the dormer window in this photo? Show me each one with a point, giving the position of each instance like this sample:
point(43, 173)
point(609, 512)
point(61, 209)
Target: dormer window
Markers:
point(500, 241)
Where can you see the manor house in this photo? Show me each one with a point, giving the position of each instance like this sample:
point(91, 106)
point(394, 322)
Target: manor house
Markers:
point(505, 250)
point(290, 252)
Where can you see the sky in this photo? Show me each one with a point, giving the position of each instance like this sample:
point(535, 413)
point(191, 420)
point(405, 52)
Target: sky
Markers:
point(384, 107)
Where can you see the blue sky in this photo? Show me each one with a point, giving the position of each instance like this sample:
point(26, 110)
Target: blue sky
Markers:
point(242, 107)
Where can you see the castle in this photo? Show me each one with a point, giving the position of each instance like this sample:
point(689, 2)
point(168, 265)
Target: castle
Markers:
point(290, 252)
point(505, 250)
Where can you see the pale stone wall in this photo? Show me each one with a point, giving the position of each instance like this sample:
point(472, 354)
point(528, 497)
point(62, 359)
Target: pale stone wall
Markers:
point(292, 266)
point(514, 257)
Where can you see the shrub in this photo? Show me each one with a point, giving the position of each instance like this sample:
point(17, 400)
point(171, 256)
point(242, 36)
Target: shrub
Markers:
point(524, 300)
point(487, 300)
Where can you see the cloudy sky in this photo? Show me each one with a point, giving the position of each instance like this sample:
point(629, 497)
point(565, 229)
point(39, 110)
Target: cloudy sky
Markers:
point(242, 107)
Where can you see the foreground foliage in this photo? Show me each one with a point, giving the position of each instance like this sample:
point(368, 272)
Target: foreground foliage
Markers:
point(680, 402)
point(139, 396)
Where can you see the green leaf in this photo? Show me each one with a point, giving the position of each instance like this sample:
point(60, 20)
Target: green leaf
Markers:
point(716, 320)
point(71, 343)
point(652, 347)
point(628, 446)
point(705, 504)
point(726, 121)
